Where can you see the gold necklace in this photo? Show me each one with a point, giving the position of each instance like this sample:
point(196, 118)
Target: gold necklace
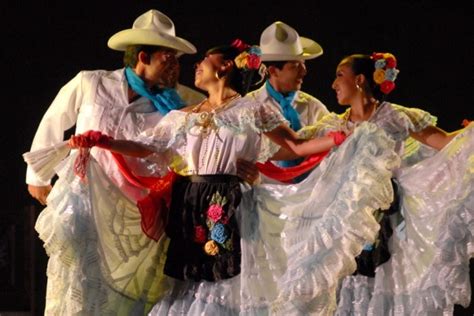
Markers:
point(205, 119)
point(219, 107)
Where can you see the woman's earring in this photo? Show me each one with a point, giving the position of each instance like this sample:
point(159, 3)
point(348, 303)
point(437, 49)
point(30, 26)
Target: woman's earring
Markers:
point(218, 75)
point(358, 87)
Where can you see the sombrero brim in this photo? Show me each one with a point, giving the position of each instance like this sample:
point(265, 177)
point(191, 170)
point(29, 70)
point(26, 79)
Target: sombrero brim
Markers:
point(119, 41)
point(311, 50)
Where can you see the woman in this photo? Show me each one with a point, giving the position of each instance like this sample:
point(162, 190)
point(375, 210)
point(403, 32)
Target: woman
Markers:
point(436, 223)
point(224, 256)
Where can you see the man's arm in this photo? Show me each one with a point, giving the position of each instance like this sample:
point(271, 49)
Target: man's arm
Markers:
point(60, 116)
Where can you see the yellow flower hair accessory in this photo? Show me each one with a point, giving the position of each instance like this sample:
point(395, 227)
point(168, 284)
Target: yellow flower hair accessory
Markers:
point(385, 71)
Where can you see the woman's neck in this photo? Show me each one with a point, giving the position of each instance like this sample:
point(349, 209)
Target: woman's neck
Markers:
point(363, 109)
point(219, 95)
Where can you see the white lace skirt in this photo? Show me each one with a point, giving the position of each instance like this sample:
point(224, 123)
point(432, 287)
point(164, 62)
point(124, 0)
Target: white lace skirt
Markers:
point(429, 269)
point(100, 261)
point(299, 240)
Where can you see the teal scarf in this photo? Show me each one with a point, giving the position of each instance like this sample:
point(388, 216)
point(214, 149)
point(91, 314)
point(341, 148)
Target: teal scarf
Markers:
point(164, 100)
point(289, 111)
point(290, 114)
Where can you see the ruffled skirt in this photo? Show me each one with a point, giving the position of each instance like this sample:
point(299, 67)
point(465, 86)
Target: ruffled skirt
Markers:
point(299, 240)
point(429, 268)
point(100, 262)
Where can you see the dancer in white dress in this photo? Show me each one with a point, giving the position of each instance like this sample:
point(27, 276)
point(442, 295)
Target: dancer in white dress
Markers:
point(428, 269)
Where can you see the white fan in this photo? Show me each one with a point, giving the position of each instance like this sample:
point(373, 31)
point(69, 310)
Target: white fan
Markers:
point(44, 160)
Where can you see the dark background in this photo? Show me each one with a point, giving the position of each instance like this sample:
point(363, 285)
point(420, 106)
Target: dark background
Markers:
point(45, 43)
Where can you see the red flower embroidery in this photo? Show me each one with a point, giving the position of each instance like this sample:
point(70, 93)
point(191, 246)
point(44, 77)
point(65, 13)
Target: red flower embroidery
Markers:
point(200, 234)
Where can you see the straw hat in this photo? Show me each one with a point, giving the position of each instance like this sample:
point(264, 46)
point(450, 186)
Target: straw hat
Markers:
point(281, 42)
point(151, 28)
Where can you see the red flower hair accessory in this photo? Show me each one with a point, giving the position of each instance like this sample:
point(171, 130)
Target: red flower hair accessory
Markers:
point(385, 71)
point(240, 45)
point(249, 57)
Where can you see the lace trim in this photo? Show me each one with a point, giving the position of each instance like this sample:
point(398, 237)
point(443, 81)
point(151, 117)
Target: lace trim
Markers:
point(329, 245)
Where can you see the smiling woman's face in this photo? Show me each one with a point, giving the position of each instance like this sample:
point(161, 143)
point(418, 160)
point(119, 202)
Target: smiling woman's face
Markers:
point(206, 70)
point(345, 83)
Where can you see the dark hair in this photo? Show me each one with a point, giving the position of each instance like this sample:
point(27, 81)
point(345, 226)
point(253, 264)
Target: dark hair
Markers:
point(277, 64)
point(239, 79)
point(365, 65)
point(130, 57)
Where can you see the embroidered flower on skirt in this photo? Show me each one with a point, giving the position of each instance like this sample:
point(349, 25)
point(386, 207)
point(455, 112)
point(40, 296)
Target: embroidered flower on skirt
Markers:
point(219, 233)
point(218, 237)
point(200, 234)
point(211, 248)
point(215, 212)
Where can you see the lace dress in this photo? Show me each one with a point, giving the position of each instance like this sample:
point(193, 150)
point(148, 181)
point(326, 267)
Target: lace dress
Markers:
point(431, 245)
point(288, 233)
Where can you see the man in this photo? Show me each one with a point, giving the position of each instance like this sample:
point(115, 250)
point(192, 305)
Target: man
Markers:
point(284, 53)
point(84, 277)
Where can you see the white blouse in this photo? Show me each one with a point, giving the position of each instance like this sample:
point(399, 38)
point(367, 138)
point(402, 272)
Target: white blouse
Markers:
point(211, 142)
point(396, 120)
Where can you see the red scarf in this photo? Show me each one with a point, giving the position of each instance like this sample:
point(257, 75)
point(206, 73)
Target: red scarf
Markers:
point(287, 174)
point(154, 208)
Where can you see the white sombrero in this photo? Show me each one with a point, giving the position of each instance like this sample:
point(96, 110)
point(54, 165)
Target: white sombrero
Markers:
point(151, 28)
point(281, 42)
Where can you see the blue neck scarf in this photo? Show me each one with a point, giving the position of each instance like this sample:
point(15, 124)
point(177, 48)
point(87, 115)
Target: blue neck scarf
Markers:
point(291, 115)
point(285, 102)
point(164, 100)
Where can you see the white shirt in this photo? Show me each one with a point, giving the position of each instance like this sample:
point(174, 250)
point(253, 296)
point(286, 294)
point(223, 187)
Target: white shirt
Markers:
point(98, 100)
point(308, 107)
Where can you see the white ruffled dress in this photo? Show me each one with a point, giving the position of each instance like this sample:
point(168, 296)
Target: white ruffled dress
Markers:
point(289, 233)
point(433, 236)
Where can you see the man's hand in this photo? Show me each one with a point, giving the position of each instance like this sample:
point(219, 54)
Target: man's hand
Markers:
point(247, 171)
point(39, 192)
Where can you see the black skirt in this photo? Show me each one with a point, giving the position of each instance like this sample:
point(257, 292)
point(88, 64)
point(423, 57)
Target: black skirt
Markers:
point(378, 253)
point(203, 230)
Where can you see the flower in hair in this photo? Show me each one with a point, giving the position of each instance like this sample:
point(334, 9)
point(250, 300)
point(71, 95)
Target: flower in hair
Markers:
point(379, 64)
point(385, 71)
point(249, 59)
point(391, 74)
point(387, 86)
point(379, 76)
point(240, 45)
point(241, 60)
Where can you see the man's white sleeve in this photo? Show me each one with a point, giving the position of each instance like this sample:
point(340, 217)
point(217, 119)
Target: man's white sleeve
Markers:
point(60, 116)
